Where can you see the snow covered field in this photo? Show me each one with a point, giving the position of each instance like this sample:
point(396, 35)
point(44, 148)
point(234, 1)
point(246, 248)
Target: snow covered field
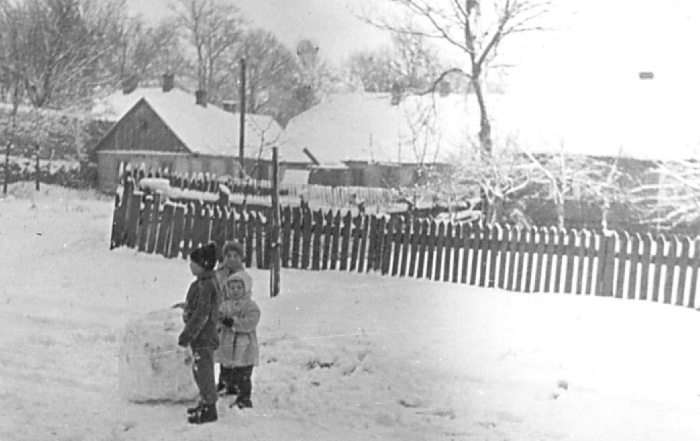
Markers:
point(343, 356)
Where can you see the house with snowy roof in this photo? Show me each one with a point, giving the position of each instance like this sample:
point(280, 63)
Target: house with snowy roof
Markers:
point(363, 139)
point(168, 128)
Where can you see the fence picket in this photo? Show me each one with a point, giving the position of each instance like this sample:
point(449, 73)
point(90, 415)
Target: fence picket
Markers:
point(622, 259)
point(549, 251)
point(387, 244)
point(456, 249)
point(345, 244)
point(448, 253)
point(570, 263)
point(415, 245)
point(397, 240)
point(363, 243)
point(671, 260)
point(259, 248)
point(327, 239)
point(484, 254)
point(155, 222)
point(356, 234)
point(684, 263)
point(539, 266)
point(560, 252)
point(379, 244)
point(296, 236)
point(513, 281)
point(494, 245)
point(634, 256)
point(165, 230)
point(187, 230)
point(466, 248)
point(694, 278)
point(336, 239)
point(439, 249)
point(584, 239)
point(306, 227)
point(424, 231)
point(531, 248)
point(659, 260)
point(173, 245)
point(503, 256)
point(145, 222)
point(132, 221)
point(430, 261)
point(475, 246)
point(646, 264)
point(405, 246)
point(519, 281)
point(594, 244)
point(317, 240)
point(286, 221)
point(608, 244)
point(218, 228)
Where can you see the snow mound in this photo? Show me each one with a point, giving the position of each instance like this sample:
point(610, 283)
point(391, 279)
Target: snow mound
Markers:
point(152, 367)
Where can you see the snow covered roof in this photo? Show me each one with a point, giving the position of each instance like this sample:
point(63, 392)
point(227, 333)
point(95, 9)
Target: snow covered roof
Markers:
point(635, 119)
point(205, 130)
point(367, 128)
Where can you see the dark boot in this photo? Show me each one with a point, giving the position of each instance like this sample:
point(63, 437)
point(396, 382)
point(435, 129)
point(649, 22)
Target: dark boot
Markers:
point(195, 409)
point(206, 414)
point(244, 403)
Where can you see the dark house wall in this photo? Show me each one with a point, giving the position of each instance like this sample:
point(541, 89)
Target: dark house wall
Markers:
point(141, 129)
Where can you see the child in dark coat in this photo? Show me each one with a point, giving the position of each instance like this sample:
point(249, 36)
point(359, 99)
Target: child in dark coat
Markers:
point(201, 315)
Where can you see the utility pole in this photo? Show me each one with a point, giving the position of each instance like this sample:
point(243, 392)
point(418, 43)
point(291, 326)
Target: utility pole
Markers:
point(275, 233)
point(241, 139)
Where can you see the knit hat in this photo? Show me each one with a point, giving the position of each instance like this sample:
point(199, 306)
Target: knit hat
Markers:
point(233, 245)
point(205, 256)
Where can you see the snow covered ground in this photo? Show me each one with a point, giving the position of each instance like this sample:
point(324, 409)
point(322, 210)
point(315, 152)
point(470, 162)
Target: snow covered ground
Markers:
point(343, 357)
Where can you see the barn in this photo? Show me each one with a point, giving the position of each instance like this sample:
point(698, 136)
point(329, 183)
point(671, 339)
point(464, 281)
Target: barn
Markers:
point(168, 128)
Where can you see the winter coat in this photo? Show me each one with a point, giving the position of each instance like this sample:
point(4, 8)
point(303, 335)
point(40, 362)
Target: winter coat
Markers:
point(239, 343)
point(201, 313)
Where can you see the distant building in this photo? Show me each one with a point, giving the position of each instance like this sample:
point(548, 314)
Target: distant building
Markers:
point(165, 127)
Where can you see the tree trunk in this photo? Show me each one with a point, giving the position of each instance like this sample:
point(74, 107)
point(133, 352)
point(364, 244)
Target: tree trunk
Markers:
point(485, 141)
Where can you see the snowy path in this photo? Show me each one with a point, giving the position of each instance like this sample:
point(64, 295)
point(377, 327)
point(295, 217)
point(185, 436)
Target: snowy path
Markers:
point(343, 357)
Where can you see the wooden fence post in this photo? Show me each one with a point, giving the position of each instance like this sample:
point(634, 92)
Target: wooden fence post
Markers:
point(318, 239)
point(178, 221)
point(306, 227)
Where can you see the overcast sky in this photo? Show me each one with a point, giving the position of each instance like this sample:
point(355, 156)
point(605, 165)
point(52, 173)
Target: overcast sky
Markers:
point(594, 40)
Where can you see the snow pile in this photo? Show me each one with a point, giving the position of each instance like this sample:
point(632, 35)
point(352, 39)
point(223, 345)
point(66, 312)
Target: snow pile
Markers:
point(152, 367)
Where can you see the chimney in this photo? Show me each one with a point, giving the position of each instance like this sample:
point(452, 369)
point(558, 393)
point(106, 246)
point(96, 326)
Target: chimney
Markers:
point(445, 88)
point(396, 93)
point(230, 106)
point(201, 98)
point(168, 82)
point(129, 84)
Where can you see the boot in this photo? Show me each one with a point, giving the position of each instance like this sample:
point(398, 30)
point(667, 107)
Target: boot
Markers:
point(195, 409)
point(244, 403)
point(206, 414)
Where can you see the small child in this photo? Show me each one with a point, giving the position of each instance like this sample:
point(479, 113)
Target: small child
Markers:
point(232, 263)
point(201, 315)
point(239, 348)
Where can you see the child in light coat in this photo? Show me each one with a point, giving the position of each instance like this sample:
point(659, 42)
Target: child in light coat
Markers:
point(239, 350)
point(231, 263)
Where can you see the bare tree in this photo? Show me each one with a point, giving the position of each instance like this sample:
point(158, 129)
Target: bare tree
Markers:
point(670, 198)
point(213, 27)
point(501, 178)
point(410, 61)
point(477, 28)
point(565, 176)
point(145, 52)
point(270, 71)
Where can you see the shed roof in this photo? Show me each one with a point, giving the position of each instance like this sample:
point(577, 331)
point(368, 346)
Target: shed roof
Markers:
point(205, 130)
